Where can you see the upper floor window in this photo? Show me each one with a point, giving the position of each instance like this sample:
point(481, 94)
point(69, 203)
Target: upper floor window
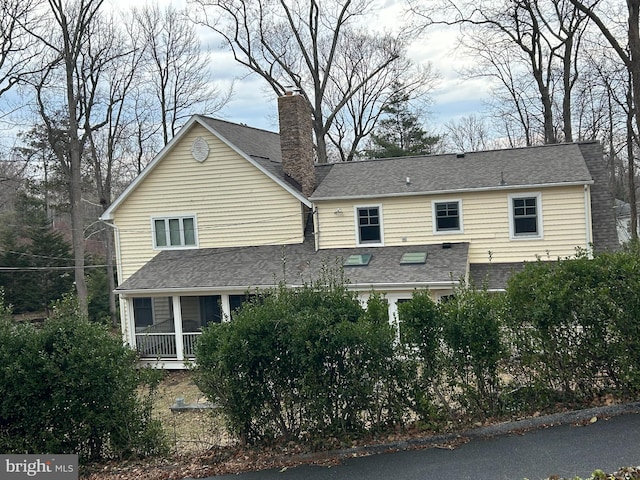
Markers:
point(525, 216)
point(447, 216)
point(369, 224)
point(171, 232)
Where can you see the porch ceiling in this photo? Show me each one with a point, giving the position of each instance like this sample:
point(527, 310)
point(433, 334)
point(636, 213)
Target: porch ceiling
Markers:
point(251, 267)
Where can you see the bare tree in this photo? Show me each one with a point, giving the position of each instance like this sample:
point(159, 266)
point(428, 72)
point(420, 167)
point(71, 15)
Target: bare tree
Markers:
point(357, 118)
point(299, 45)
point(467, 134)
point(18, 49)
point(176, 68)
point(629, 54)
point(65, 32)
point(541, 36)
point(108, 146)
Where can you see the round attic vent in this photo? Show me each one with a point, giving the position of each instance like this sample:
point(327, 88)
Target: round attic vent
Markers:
point(200, 149)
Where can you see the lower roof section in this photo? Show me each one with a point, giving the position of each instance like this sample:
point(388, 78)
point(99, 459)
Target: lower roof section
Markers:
point(493, 276)
point(242, 268)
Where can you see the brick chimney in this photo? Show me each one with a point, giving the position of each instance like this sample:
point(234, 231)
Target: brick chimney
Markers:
point(296, 140)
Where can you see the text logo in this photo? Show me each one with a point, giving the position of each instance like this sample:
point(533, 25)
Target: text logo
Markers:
point(45, 467)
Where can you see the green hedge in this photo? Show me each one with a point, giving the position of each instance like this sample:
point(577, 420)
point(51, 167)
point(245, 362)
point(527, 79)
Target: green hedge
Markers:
point(311, 362)
point(70, 386)
point(576, 324)
point(306, 363)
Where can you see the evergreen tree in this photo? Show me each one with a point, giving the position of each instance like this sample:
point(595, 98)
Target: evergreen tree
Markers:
point(399, 132)
point(34, 254)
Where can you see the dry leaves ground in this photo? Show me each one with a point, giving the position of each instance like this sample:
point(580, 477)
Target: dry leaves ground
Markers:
point(201, 446)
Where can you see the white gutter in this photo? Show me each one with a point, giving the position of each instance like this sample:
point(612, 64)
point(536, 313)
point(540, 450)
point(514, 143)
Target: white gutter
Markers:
point(244, 289)
point(455, 191)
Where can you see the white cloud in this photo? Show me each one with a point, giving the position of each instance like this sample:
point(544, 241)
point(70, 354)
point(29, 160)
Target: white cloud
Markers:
point(254, 103)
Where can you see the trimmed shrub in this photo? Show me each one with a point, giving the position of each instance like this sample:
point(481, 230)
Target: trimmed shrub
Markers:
point(574, 324)
point(71, 387)
point(303, 364)
point(472, 329)
point(421, 336)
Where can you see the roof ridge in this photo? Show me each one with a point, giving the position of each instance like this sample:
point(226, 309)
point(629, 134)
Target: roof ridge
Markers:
point(243, 125)
point(474, 152)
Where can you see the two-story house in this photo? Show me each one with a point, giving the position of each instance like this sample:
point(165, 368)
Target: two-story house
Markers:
point(225, 210)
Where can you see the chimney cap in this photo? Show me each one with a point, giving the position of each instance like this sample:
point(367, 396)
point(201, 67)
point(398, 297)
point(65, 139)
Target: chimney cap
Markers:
point(290, 90)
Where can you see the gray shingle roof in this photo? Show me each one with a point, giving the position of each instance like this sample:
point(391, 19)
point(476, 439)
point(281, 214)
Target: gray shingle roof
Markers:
point(605, 233)
point(248, 267)
point(518, 167)
point(252, 141)
point(493, 276)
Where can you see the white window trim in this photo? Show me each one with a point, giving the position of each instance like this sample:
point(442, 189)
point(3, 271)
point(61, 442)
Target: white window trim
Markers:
point(539, 221)
point(357, 226)
point(434, 217)
point(180, 217)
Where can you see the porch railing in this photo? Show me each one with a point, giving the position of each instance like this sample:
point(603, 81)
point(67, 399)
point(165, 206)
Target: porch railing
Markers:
point(163, 345)
point(156, 345)
point(189, 343)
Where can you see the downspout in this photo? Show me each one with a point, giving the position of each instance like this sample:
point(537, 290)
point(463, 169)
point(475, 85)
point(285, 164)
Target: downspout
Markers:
point(125, 327)
point(588, 221)
point(316, 228)
point(116, 232)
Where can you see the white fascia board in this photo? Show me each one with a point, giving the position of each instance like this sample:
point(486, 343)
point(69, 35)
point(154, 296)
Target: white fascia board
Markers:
point(453, 192)
point(244, 289)
point(159, 292)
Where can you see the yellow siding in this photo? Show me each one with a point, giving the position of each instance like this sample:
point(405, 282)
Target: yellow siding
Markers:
point(408, 221)
point(235, 203)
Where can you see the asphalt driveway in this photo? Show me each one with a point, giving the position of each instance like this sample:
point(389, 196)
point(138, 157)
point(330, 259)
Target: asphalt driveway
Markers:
point(564, 445)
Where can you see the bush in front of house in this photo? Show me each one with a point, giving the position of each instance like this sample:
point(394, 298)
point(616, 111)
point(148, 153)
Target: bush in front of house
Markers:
point(69, 386)
point(474, 349)
point(311, 363)
point(574, 326)
point(459, 347)
point(304, 364)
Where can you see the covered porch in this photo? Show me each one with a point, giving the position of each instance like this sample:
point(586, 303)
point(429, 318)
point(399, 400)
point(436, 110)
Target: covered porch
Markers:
point(165, 328)
point(166, 304)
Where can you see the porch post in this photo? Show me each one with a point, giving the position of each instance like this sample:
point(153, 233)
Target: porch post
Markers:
point(127, 318)
point(177, 323)
point(226, 308)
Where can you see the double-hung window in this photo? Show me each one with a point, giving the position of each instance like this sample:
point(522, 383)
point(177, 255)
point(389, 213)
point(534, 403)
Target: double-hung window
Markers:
point(172, 232)
point(447, 216)
point(525, 212)
point(369, 225)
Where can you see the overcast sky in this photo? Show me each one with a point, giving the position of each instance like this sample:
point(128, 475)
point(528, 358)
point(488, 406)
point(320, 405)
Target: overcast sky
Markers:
point(254, 103)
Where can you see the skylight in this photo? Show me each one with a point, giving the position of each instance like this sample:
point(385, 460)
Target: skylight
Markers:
point(358, 260)
point(410, 258)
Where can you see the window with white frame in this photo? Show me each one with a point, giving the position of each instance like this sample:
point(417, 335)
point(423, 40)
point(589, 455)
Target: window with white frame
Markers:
point(447, 216)
point(170, 232)
point(369, 224)
point(525, 214)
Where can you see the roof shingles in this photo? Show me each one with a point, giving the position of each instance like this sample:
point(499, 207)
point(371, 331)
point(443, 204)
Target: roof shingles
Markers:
point(518, 167)
point(263, 266)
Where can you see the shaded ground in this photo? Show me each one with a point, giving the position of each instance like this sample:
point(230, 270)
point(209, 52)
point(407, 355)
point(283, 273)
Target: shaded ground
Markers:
point(201, 446)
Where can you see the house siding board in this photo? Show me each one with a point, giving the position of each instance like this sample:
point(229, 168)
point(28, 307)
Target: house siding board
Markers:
point(235, 203)
point(408, 221)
